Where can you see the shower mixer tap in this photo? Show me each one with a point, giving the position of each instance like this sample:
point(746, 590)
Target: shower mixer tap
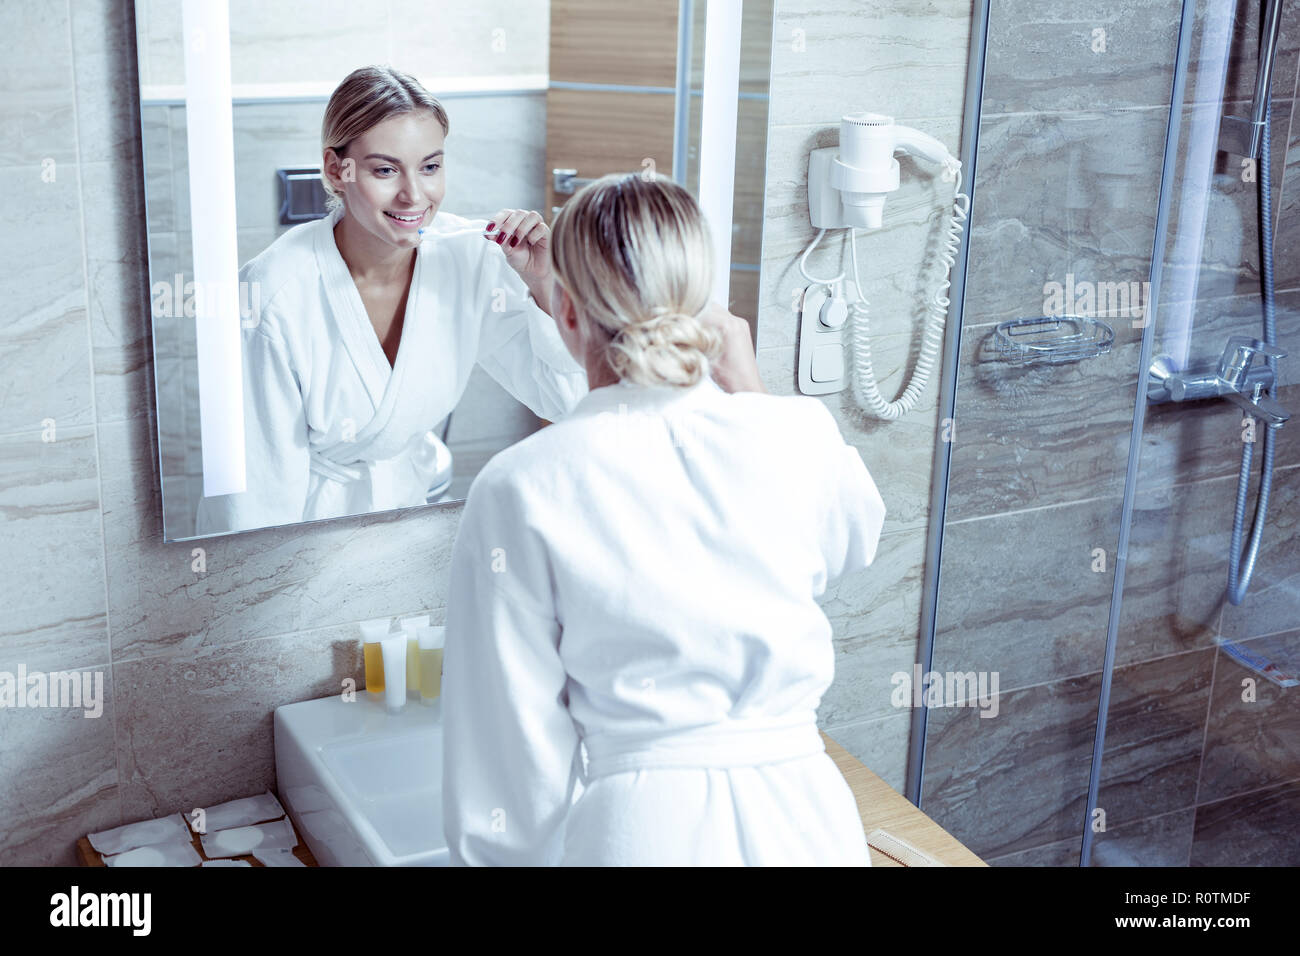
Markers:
point(1235, 378)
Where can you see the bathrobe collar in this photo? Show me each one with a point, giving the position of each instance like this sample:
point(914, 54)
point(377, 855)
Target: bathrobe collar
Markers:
point(645, 398)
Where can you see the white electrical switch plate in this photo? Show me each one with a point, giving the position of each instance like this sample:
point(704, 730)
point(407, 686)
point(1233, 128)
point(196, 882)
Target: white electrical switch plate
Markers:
point(820, 352)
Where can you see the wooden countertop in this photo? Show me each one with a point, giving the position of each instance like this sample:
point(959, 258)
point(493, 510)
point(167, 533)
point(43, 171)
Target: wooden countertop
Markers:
point(884, 808)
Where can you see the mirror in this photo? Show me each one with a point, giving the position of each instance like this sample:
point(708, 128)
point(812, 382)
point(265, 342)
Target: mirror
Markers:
point(539, 97)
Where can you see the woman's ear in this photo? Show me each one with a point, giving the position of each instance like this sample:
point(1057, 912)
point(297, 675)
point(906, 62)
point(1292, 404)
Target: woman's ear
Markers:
point(337, 170)
point(563, 306)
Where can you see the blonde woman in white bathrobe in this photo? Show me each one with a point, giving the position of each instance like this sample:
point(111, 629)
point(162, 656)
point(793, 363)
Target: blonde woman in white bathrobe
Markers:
point(368, 322)
point(634, 652)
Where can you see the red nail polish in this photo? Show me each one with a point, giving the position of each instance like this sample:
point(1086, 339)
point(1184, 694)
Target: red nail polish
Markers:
point(514, 241)
point(501, 239)
point(490, 225)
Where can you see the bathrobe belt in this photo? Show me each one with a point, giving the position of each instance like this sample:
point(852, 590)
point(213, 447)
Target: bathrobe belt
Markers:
point(333, 469)
point(740, 742)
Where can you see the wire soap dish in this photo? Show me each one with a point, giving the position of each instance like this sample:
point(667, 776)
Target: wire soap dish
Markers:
point(1053, 340)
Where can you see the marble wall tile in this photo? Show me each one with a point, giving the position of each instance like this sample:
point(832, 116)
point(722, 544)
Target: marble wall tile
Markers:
point(1016, 781)
point(118, 290)
point(876, 616)
point(156, 149)
point(1286, 241)
point(1272, 601)
point(258, 583)
point(888, 56)
point(1154, 731)
point(1212, 249)
point(1254, 829)
point(44, 345)
point(1066, 198)
point(51, 552)
point(1164, 840)
point(303, 41)
point(36, 115)
point(1249, 744)
point(1045, 57)
point(195, 728)
point(880, 744)
point(1020, 595)
point(58, 779)
point(1028, 436)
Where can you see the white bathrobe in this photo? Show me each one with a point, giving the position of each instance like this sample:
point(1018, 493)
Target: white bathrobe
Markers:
point(640, 582)
point(331, 428)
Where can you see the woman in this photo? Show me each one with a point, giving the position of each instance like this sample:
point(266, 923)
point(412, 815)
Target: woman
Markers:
point(370, 320)
point(641, 578)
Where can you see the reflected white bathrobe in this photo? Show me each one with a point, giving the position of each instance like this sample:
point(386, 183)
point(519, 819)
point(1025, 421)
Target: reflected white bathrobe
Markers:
point(331, 428)
point(641, 580)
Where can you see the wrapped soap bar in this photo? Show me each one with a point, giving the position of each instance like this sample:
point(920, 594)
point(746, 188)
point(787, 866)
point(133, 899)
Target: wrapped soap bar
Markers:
point(241, 840)
point(238, 813)
point(225, 863)
point(158, 854)
point(170, 829)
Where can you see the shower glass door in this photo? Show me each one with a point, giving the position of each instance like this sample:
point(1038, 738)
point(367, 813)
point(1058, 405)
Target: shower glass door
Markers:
point(1088, 706)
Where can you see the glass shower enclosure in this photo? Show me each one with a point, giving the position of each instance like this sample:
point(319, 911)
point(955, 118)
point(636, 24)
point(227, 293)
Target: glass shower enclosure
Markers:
point(1111, 627)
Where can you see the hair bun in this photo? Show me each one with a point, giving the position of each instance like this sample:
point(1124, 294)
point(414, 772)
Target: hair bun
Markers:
point(667, 346)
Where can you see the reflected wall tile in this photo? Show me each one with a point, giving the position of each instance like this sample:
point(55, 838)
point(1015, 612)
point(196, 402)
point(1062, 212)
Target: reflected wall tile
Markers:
point(58, 780)
point(1254, 829)
point(1064, 198)
point(1018, 780)
point(1020, 595)
point(36, 112)
point(485, 38)
point(51, 553)
point(156, 150)
point(196, 728)
point(268, 136)
point(872, 49)
point(1061, 853)
point(306, 41)
point(1250, 743)
point(1048, 57)
point(1154, 731)
point(281, 579)
point(875, 615)
point(496, 154)
point(44, 344)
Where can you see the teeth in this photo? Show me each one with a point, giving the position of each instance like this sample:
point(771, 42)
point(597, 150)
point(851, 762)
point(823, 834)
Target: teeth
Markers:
point(415, 218)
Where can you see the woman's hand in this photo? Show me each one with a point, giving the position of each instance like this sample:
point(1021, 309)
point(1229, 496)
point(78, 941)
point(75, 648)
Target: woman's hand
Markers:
point(526, 240)
point(736, 369)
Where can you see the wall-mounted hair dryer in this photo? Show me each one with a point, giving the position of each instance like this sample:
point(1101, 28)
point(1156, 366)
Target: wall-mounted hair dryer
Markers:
point(847, 183)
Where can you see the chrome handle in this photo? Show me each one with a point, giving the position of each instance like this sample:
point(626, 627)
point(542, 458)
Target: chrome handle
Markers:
point(567, 181)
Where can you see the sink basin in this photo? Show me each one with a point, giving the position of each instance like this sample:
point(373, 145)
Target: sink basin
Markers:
point(363, 786)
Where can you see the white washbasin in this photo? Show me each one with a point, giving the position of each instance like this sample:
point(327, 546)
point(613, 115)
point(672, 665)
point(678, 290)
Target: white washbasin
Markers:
point(363, 786)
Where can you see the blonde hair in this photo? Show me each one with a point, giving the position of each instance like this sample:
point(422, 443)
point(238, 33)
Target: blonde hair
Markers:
point(364, 99)
point(633, 252)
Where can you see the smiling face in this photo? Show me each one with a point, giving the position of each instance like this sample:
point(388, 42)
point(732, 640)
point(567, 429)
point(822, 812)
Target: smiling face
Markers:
point(391, 177)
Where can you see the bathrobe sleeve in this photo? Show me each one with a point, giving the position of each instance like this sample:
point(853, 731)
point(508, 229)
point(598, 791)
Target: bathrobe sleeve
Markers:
point(511, 751)
point(519, 345)
point(856, 511)
point(276, 452)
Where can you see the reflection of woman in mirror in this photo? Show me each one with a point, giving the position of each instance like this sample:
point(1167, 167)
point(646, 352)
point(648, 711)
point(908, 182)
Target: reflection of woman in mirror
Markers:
point(642, 578)
point(372, 319)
